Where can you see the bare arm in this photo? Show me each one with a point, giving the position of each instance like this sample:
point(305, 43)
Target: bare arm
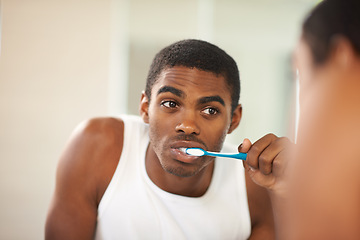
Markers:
point(83, 173)
point(262, 223)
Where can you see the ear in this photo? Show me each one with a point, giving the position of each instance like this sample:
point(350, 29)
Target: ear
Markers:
point(144, 107)
point(342, 51)
point(235, 118)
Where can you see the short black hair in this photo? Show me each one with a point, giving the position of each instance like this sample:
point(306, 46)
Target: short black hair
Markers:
point(197, 54)
point(329, 19)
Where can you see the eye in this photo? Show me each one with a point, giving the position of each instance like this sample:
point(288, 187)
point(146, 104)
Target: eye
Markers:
point(169, 104)
point(210, 111)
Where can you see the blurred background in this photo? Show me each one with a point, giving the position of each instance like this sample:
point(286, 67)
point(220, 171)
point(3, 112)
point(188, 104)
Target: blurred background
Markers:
point(65, 61)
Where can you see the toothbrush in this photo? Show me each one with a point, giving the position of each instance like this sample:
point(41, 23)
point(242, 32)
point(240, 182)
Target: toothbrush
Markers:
point(201, 152)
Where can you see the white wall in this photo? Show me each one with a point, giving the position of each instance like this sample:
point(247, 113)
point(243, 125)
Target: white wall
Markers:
point(65, 61)
point(53, 74)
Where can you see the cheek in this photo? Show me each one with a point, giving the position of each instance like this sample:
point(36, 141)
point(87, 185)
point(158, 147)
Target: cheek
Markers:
point(156, 128)
point(216, 136)
point(305, 67)
point(155, 137)
point(159, 129)
point(304, 78)
point(306, 83)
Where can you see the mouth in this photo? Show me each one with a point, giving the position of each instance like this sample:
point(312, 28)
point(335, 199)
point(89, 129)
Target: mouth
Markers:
point(178, 151)
point(183, 149)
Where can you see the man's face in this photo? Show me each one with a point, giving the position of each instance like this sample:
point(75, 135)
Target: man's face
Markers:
point(188, 108)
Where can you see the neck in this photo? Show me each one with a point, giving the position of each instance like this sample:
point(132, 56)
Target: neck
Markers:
point(193, 186)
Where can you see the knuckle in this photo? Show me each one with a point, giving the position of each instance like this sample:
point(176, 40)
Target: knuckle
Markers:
point(282, 142)
point(277, 164)
point(255, 148)
point(266, 169)
point(283, 139)
point(271, 135)
point(264, 159)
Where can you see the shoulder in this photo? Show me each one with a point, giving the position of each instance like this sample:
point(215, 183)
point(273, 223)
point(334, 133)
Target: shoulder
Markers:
point(83, 174)
point(94, 139)
point(92, 155)
point(100, 127)
point(97, 135)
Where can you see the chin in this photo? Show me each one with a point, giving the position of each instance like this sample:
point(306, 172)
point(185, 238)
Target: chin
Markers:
point(184, 169)
point(181, 172)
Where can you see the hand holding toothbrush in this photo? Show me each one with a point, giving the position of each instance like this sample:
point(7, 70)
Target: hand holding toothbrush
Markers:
point(266, 161)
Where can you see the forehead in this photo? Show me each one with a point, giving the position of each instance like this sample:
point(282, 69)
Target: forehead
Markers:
point(192, 80)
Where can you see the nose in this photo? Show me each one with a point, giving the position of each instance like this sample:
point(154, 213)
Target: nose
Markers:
point(188, 124)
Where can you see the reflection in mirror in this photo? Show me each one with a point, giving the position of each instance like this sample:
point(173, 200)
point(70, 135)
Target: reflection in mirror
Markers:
point(259, 35)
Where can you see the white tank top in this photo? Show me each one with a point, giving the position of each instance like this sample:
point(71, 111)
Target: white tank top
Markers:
point(133, 207)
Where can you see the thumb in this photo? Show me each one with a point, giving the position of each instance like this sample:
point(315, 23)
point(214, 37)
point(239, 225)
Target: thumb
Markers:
point(245, 146)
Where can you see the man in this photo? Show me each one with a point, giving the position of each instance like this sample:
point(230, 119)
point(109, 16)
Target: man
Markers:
point(326, 204)
point(126, 178)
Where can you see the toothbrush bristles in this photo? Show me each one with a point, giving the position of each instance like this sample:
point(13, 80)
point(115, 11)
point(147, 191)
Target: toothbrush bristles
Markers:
point(195, 152)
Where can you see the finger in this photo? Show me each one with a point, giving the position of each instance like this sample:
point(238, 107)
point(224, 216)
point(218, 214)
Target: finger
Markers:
point(257, 148)
point(279, 164)
point(282, 160)
point(245, 146)
point(270, 153)
point(248, 168)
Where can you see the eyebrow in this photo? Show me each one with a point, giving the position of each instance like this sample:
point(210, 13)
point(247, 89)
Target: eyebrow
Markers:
point(215, 98)
point(180, 93)
point(172, 90)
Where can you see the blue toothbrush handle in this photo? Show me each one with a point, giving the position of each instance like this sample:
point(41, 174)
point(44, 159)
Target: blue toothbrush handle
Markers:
point(241, 156)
